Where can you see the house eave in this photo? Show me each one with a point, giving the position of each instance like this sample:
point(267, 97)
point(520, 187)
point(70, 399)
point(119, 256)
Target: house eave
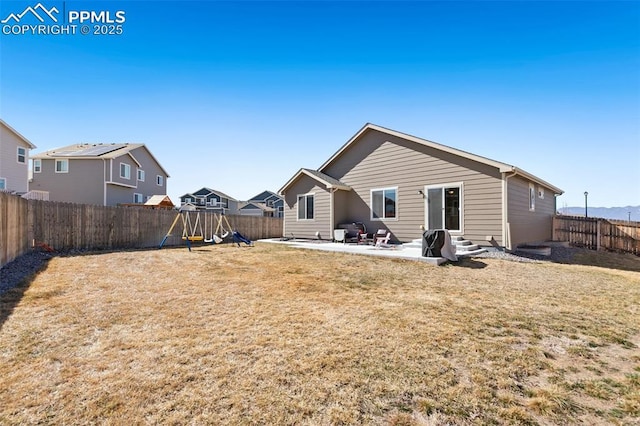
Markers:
point(15, 132)
point(502, 167)
point(420, 141)
point(134, 159)
point(328, 185)
point(519, 172)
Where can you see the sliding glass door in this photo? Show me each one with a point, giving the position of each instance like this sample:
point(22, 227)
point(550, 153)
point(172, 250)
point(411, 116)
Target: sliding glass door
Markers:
point(443, 207)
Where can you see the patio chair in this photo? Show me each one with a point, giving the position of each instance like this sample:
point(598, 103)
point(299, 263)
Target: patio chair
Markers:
point(382, 239)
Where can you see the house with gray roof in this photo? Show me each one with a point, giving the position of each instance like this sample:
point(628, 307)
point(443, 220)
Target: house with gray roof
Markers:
point(252, 208)
point(210, 200)
point(266, 203)
point(104, 174)
point(385, 179)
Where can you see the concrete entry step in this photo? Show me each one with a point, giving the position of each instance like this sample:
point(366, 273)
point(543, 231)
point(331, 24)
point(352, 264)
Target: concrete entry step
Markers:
point(465, 253)
point(463, 247)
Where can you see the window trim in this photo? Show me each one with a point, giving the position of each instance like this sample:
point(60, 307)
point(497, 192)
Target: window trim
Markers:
point(37, 165)
point(4, 182)
point(540, 192)
point(159, 180)
point(140, 175)
point(306, 196)
point(127, 168)
point(62, 161)
point(379, 219)
point(532, 197)
point(23, 155)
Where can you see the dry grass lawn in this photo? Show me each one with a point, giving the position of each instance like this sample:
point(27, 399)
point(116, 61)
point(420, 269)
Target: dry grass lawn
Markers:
point(274, 335)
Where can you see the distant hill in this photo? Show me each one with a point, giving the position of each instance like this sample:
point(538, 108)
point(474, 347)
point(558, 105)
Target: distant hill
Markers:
point(619, 213)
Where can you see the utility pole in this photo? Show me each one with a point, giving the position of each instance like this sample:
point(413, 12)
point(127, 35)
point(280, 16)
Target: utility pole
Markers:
point(586, 194)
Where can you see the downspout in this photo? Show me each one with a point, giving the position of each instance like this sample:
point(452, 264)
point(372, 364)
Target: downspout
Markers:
point(284, 215)
point(506, 234)
point(331, 212)
point(104, 176)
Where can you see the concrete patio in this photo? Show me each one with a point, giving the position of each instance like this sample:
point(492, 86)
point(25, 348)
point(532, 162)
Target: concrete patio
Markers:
point(410, 251)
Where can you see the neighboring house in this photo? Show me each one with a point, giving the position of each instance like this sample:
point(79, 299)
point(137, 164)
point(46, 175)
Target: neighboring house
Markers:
point(266, 203)
point(251, 208)
point(105, 174)
point(387, 179)
point(210, 200)
point(14, 160)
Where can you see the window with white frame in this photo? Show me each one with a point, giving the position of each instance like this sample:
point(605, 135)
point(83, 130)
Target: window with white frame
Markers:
point(541, 193)
point(160, 180)
point(62, 166)
point(22, 155)
point(306, 206)
point(140, 175)
point(125, 171)
point(532, 197)
point(3, 184)
point(138, 198)
point(384, 203)
point(37, 166)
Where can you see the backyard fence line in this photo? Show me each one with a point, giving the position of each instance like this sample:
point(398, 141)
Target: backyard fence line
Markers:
point(14, 227)
point(598, 233)
point(66, 226)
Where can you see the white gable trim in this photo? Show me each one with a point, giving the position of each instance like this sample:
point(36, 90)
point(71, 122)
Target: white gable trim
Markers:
point(15, 132)
point(134, 159)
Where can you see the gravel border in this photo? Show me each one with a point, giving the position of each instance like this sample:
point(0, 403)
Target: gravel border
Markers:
point(15, 272)
point(558, 255)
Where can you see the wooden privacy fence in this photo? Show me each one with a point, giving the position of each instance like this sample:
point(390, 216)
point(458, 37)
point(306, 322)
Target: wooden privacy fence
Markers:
point(597, 233)
point(65, 226)
point(14, 227)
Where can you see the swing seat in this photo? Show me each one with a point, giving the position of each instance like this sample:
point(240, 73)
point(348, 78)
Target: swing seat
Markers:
point(193, 238)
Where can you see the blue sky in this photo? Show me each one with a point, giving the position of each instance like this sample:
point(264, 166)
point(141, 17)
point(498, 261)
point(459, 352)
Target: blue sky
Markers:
point(237, 96)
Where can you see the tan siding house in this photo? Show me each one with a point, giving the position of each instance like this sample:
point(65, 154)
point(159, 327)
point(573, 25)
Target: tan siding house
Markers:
point(99, 174)
point(313, 219)
point(14, 160)
point(390, 180)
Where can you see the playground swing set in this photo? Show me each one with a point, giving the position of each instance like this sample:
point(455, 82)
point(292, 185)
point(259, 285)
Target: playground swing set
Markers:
point(197, 229)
